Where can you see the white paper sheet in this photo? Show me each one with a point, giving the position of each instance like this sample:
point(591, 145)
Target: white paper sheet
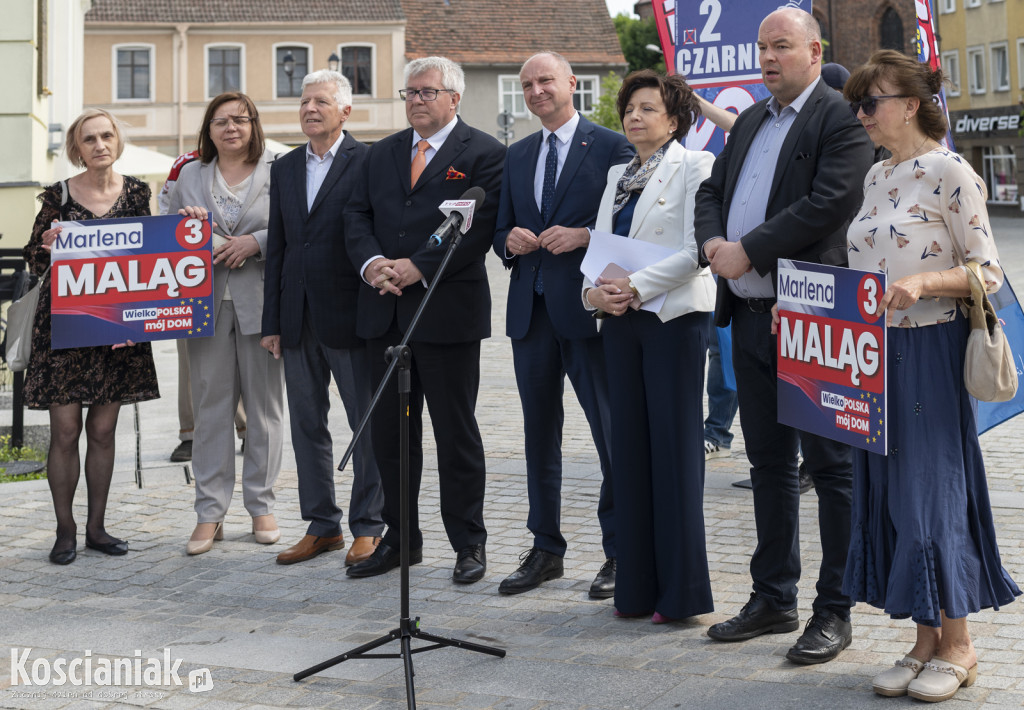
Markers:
point(631, 254)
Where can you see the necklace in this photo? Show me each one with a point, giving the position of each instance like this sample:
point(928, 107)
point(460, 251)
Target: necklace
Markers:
point(893, 162)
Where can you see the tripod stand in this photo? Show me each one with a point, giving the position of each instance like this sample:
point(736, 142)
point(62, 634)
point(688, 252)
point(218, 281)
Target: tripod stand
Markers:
point(400, 360)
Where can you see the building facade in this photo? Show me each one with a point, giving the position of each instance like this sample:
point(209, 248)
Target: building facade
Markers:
point(156, 65)
point(41, 41)
point(982, 54)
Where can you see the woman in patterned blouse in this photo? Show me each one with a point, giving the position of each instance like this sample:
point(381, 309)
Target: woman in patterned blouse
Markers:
point(231, 183)
point(923, 543)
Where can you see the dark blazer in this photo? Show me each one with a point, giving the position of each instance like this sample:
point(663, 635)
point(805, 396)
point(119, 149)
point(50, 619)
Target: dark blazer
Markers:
point(816, 189)
point(387, 217)
point(577, 196)
point(307, 262)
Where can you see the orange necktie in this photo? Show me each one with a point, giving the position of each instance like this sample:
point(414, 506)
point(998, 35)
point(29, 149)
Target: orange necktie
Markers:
point(419, 162)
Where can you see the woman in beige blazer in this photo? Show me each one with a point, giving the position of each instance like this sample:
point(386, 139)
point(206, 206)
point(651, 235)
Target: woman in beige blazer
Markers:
point(231, 183)
point(655, 358)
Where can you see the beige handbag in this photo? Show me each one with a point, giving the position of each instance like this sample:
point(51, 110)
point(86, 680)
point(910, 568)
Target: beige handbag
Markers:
point(990, 374)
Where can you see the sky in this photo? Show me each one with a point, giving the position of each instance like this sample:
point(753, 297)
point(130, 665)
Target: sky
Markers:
point(617, 6)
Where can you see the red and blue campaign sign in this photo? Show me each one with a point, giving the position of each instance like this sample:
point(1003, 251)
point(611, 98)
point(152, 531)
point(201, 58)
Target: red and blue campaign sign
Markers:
point(716, 52)
point(831, 353)
point(135, 278)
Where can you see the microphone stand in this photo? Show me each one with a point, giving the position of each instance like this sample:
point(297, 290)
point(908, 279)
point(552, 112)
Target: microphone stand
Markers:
point(400, 359)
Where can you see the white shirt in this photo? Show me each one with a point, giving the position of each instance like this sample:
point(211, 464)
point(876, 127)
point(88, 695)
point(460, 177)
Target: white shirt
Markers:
point(317, 169)
point(563, 139)
point(436, 141)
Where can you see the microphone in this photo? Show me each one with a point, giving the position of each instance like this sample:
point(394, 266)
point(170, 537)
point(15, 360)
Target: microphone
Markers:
point(459, 215)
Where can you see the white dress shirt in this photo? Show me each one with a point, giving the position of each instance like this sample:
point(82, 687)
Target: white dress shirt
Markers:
point(317, 169)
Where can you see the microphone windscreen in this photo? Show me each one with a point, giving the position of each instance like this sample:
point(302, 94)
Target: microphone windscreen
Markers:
point(476, 194)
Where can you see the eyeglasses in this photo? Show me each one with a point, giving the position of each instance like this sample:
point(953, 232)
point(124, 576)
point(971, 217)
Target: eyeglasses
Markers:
point(425, 94)
point(869, 104)
point(234, 120)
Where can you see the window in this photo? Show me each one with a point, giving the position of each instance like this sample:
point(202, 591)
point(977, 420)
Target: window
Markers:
point(891, 30)
point(133, 73)
point(947, 6)
point(951, 68)
point(999, 167)
point(976, 70)
point(295, 58)
point(511, 99)
point(357, 66)
point(1020, 63)
point(1000, 67)
point(223, 70)
point(972, 3)
point(585, 98)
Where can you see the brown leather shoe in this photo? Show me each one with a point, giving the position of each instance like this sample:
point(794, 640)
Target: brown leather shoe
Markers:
point(362, 548)
point(309, 547)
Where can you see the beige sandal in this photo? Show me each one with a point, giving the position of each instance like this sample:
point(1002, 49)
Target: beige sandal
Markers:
point(893, 682)
point(940, 680)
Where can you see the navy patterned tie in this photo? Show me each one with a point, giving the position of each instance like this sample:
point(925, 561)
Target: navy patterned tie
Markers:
point(547, 196)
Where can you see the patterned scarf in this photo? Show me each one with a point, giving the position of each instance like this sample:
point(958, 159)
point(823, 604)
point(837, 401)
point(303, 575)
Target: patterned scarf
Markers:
point(635, 178)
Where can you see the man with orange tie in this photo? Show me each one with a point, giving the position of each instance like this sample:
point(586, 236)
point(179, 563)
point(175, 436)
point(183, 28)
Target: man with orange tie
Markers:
point(387, 224)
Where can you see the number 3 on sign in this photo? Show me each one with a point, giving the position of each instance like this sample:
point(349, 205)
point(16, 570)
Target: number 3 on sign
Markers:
point(192, 233)
point(868, 292)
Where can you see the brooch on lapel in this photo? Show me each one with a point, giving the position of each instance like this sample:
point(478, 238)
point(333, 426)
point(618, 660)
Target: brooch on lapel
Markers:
point(454, 174)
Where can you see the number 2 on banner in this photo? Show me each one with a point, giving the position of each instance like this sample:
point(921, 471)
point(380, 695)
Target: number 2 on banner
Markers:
point(712, 8)
point(192, 233)
point(867, 298)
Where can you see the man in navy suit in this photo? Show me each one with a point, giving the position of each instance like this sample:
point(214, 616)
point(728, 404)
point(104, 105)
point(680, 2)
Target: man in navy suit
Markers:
point(550, 193)
point(309, 318)
point(786, 185)
point(393, 212)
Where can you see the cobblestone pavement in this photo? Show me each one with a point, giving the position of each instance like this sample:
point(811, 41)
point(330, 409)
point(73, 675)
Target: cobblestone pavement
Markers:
point(254, 623)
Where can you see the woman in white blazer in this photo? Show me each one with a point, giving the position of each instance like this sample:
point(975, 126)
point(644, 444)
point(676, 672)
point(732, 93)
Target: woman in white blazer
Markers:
point(231, 183)
point(655, 357)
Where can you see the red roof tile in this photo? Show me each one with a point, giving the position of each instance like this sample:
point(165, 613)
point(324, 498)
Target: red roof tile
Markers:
point(509, 32)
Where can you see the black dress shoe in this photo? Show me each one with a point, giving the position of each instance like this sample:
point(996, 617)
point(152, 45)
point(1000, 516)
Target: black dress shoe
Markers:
point(65, 556)
point(470, 564)
point(182, 452)
point(113, 546)
point(536, 567)
point(825, 635)
point(384, 559)
point(755, 618)
point(603, 586)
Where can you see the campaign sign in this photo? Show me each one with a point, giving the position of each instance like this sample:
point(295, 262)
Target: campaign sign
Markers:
point(716, 40)
point(716, 51)
point(135, 278)
point(831, 353)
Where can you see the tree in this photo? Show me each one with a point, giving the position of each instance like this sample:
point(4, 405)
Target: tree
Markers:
point(605, 113)
point(634, 36)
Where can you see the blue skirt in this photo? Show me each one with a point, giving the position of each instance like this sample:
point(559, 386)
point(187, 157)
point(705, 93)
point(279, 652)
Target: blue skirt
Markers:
point(923, 538)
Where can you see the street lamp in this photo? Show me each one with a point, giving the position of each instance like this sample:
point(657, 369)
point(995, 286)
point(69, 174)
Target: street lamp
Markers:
point(653, 48)
point(333, 62)
point(288, 64)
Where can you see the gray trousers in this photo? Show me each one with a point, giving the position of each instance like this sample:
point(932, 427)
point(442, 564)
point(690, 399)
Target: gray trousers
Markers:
point(223, 368)
point(187, 422)
point(307, 370)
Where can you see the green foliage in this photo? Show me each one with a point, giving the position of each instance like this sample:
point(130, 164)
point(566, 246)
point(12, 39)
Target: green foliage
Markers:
point(604, 111)
point(19, 453)
point(634, 36)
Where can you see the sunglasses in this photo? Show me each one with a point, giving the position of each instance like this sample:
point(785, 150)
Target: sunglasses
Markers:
point(869, 104)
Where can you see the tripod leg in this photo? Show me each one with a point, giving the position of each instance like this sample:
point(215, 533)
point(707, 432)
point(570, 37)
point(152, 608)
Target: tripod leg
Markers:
point(410, 690)
point(457, 643)
point(354, 653)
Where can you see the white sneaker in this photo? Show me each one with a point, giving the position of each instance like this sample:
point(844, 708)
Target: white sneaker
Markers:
point(714, 451)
